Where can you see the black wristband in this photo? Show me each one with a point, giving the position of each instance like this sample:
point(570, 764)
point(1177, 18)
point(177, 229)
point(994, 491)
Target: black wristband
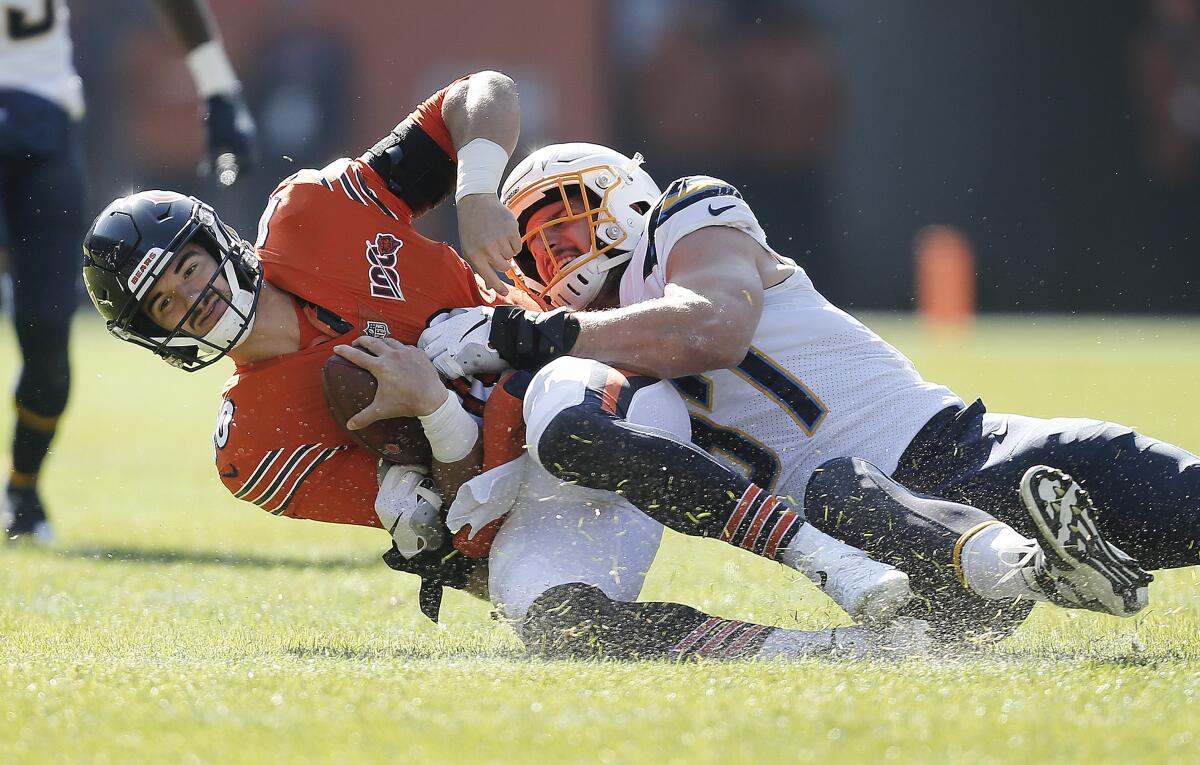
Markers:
point(530, 340)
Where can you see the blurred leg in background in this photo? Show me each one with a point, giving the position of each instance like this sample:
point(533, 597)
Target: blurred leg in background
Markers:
point(42, 190)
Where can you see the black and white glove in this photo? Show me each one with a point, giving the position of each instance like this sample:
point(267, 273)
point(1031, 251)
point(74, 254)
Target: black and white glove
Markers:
point(457, 343)
point(444, 567)
point(438, 568)
point(231, 135)
point(487, 340)
point(409, 507)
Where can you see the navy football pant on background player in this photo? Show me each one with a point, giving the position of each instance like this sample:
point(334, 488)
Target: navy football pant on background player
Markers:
point(1147, 492)
point(42, 193)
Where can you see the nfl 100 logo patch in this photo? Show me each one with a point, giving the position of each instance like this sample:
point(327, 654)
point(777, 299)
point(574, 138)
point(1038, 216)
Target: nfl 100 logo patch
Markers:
point(384, 278)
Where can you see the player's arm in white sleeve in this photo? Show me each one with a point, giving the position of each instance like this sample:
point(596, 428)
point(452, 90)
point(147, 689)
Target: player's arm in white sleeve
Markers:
point(705, 319)
point(693, 303)
point(706, 246)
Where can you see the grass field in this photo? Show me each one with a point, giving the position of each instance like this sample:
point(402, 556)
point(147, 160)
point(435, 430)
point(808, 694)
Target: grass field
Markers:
point(173, 624)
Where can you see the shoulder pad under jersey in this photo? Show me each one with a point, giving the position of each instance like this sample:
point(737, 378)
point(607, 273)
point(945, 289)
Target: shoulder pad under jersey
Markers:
point(691, 203)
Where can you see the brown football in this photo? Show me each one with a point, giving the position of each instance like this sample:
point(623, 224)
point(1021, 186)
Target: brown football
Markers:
point(348, 390)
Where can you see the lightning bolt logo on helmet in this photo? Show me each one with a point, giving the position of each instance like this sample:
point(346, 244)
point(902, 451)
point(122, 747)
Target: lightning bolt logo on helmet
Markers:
point(591, 183)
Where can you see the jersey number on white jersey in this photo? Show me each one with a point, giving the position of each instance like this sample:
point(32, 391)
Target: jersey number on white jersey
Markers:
point(793, 397)
point(20, 25)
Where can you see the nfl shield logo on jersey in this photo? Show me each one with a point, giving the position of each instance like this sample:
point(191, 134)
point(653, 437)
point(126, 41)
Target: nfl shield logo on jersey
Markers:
point(377, 329)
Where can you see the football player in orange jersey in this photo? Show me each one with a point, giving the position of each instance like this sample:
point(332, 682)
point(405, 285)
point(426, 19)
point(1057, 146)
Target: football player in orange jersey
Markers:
point(336, 255)
point(336, 258)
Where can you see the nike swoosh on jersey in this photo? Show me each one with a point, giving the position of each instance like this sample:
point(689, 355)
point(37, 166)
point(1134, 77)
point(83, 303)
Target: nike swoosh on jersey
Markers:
point(718, 210)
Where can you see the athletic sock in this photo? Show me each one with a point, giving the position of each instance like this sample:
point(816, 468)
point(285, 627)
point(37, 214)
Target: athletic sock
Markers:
point(762, 523)
point(717, 638)
point(805, 545)
point(993, 560)
point(577, 620)
point(795, 644)
point(31, 441)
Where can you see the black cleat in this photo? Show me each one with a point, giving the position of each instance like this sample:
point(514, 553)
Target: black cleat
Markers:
point(25, 518)
point(1078, 569)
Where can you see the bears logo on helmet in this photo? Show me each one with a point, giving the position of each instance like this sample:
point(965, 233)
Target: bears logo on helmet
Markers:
point(127, 250)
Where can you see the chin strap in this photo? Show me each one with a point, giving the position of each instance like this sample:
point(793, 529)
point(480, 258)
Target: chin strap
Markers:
point(234, 326)
point(530, 340)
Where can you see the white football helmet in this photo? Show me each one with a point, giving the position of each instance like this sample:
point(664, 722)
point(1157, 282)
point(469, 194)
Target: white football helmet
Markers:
point(617, 193)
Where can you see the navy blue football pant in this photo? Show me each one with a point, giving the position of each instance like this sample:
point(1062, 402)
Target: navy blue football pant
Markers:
point(42, 191)
point(1147, 492)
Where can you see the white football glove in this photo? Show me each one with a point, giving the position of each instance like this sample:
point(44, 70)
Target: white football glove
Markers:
point(457, 343)
point(408, 506)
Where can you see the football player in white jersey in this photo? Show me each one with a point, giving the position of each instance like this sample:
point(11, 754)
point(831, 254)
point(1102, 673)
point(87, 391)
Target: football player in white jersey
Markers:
point(42, 189)
point(806, 401)
point(567, 563)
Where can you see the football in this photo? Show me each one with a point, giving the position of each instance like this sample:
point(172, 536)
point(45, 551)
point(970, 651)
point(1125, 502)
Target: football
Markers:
point(348, 390)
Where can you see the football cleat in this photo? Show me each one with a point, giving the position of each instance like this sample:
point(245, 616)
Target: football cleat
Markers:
point(901, 638)
point(869, 591)
point(25, 518)
point(1077, 568)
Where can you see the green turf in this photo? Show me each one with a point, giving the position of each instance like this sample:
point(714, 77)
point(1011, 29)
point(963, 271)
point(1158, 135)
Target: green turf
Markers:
point(173, 624)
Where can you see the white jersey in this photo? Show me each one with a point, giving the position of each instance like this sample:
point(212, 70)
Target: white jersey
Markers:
point(35, 52)
point(817, 384)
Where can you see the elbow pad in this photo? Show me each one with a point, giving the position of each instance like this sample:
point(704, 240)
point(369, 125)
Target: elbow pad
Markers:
point(530, 340)
point(414, 167)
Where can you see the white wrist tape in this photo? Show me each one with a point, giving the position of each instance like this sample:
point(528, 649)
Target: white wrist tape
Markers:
point(480, 167)
point(452, 432)
point(211, 70)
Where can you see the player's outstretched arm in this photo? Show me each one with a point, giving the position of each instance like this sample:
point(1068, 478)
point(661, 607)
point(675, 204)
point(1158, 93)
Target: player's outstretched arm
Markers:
point(483, 116)
point(229, 128)
point(705, 320)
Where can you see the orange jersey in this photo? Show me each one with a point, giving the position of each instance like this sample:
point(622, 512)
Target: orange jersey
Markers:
point(336, 238)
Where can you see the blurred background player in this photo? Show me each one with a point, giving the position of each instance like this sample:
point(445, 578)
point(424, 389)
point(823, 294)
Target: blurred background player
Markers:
point(42, 189)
